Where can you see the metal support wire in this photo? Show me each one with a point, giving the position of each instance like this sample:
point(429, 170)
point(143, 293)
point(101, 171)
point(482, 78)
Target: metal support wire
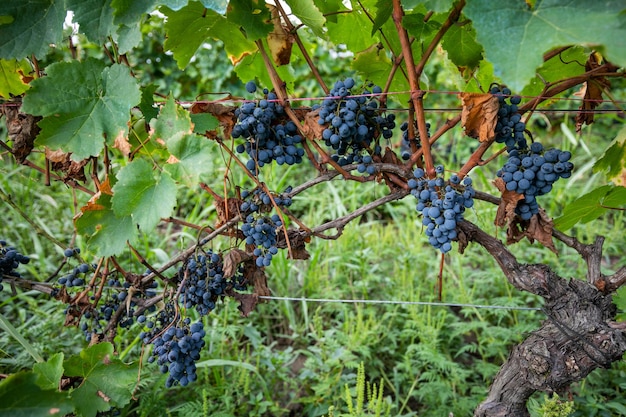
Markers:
point(419, 303)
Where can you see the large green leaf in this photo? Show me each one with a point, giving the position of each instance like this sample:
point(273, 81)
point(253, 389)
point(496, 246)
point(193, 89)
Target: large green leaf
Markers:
point(353, 29)
point(130, 12)
point(515, 37)
point(568, 63)
point(11, 73)
point(613, 162)
point(95, 18)
point(189, 27)
point(108, 233)
point(49, 373)
point(33, 26)
point(193, 159)
point(145, 194)
point(252, 15)
point(460, 43)
point(107, 382)
point(591, 206)
point(83, 103)
point(309, 14)
point(173, 121)
point(20, 396)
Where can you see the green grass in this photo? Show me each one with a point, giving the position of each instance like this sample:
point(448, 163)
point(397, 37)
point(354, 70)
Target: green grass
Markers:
point(296, 358)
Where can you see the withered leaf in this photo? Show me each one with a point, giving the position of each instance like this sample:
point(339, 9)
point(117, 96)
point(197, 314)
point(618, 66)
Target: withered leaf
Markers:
point(232, 259)
point(591, 92)
point(22, 129)
point(506, 210)
point(311, 128)
point(297, 240)
point(122, 144)
point(247, 302)
point(540, 229)
point(226, 209)
point(279, 40)
point(479, 115)
point(61, 161)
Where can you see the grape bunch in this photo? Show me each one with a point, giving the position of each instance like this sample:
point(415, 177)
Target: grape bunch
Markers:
point(10, 260)
point(532, 172)
point(509, 127)
point(203, 282)
point(353, 122)
point(259, 228)
point(441, 204)
point(76, 278)
point(177, 349)
point(405, 145)
point(268, 137)
point(117, 295)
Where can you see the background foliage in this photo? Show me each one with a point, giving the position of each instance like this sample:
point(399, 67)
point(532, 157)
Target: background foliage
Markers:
point(287, 358)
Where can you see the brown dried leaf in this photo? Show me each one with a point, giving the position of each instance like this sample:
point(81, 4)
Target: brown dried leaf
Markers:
point(247, 302)
point(56, 156)
point(61, 161)
point(508, 202)
point(479, 115)
point(591, 91)
point(297, 240)
point(232, 259)
point(311, 128)
point(540, 229)
point(279, 40)
point(226, 209)
point(122, 144)
point(22, 129)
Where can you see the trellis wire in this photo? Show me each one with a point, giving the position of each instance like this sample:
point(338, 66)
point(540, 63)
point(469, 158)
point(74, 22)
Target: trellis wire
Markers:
point(397, 302)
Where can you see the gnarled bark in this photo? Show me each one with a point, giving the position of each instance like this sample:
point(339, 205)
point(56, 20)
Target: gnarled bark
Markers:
point(577, 336)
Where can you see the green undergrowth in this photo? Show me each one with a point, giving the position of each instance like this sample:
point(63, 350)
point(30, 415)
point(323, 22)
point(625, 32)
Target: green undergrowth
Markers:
point(298, 358)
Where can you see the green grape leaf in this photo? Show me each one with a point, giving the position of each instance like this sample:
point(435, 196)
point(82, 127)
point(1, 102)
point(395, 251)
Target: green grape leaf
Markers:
point(252, 66)
point(30, 26)
point(416, 27)
point(173, 121)
point(189, 27)
point(145, 194)
point(373, 65)
point(82, 103)
point(20, 396)
point(591, 206)
point(107, 232)
point(106, 381)
point(383, 13)
point(191, 159)
point(130, 12)
point(515, 36)
point(95, 18)
point(204, 122)
point(12, 73)
point(351, 29)
point(49, 373)
point(147, 107)
point(218, 5)
point(437, 6)
point(568, 63)
point(253, 16)
point(460, 43)
point(127, 37)
point(613, 162)
point(308, 14)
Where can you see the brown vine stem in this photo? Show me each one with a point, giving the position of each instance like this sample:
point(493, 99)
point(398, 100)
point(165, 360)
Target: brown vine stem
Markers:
point(190, 250)
point(294, 31)
point(341, 222)
point(416, 93)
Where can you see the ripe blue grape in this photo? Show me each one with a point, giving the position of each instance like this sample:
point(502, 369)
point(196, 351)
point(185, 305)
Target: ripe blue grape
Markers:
point(441, 204)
